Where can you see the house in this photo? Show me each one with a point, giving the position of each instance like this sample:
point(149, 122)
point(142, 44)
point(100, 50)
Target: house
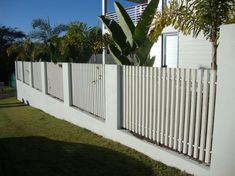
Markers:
point(173, 49)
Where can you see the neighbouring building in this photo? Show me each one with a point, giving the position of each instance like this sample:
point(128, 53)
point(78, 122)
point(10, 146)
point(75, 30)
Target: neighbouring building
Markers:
point(173, 49)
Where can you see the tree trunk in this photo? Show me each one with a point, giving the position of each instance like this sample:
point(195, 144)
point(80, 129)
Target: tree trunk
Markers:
point(214, 55)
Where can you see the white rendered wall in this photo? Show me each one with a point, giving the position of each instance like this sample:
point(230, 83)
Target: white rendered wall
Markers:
point(223, 158)
point(108, 128)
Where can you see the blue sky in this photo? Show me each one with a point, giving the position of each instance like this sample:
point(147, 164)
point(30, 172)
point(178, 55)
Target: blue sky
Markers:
point(20, 13)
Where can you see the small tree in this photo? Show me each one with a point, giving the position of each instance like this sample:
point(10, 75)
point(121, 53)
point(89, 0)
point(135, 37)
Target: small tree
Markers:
point(206, 16)
point(97, 41)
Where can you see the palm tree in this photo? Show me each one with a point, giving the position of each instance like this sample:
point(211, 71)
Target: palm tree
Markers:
point(202, 16)
point(43, 30)
point(75, 44)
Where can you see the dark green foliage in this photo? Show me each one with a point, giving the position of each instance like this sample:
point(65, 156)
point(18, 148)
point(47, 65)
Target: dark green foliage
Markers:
point(131, 43)
point(7, 37)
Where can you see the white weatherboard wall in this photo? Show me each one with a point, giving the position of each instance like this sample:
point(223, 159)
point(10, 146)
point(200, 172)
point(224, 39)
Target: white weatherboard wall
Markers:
point(223, 160)
point(194, 52)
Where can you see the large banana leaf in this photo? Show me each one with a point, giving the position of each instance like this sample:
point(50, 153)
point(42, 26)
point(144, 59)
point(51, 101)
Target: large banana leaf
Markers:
point(115, 31)
point(117, 56)
point(125, 22)
point(150, 61)
point(143, 25)
point(144, 50)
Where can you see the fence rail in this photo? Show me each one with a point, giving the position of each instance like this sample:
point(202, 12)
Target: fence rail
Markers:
point(134, 12)
point(54, 74)
point(88, 88)
point(172, 107)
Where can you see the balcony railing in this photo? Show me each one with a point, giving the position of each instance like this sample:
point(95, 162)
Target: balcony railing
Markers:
point(134, 12)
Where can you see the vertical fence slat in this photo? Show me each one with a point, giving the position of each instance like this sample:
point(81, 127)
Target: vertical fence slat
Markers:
point(154, 103)
point(124, 96)
point(204, 116)
point(192, 113)
point(146, 101)
point(132, 74)
point(177, 109)
point(150, 102)
point(210, 115)
point(159, 103)
point(163, 110)
point(143, 101)
point(198, 113)
point(182, 110)
point(140, 101)
point(172, 110)
point(136, 99)
point(187, 110)
point(168, 96)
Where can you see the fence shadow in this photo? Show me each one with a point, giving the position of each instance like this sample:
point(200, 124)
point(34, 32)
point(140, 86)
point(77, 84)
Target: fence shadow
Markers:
point(37, 156)
point(12, 105)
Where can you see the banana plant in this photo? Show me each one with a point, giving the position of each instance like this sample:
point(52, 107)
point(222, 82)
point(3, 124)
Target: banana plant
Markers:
point(131, 44)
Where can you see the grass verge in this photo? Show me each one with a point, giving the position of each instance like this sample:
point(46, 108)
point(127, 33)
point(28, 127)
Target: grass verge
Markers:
point(33, 143)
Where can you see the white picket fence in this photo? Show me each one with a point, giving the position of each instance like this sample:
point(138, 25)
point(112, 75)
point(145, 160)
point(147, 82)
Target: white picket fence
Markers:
point(54, 75)
point(171, 107)
point(36, 75)
point(88, 91)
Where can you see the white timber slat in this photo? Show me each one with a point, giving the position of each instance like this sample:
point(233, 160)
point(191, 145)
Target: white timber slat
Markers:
point(182, 110)
point(204, 115)
point(154, 102)
point(146, 101)
point(143, 101)
point(187, 110)
point(132, 120)
point(210, 115)
point(136, 99)
point(124, 96)
point(198, 114)
point(192, 112)
point(140, 101)
point(177, 109)
point(168, 108)
point(163, 102)
point(151, 103)
point(172, 110)
point(159, 103)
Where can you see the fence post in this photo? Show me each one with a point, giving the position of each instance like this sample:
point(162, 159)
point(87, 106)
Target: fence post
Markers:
point(44, 77)
point(113, 96)
point(223, 153)
point(67, 83)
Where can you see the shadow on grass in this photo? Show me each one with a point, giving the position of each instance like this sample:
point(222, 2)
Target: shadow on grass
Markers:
point(12, 105)
point(38, 156)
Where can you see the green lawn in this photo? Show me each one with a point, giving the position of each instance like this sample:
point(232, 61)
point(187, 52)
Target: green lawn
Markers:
point(33, 143)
